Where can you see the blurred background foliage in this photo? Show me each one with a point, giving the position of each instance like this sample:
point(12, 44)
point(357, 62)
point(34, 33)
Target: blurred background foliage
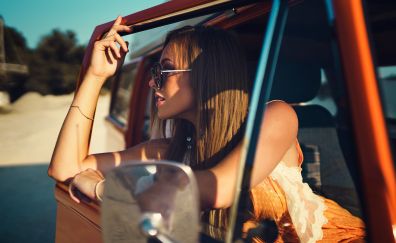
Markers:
point(53, 65)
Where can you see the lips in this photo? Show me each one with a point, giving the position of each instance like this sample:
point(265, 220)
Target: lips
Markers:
point(159, 99)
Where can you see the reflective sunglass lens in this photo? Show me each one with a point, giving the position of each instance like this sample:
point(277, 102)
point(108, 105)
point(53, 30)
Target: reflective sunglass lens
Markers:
point(156, 74)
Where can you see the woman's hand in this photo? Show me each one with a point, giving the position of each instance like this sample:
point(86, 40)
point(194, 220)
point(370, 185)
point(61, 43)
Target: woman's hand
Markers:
point(107, 57)
point(85, 183)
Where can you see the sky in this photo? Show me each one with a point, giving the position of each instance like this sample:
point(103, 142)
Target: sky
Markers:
point(37, 18)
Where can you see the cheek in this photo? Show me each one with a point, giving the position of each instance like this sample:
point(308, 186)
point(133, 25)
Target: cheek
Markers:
point(187, 100)
point(181, 100)
point(179, 88)
point(186, 95)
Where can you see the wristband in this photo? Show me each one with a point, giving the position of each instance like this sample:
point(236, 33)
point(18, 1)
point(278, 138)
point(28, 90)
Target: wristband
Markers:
point(96, 190)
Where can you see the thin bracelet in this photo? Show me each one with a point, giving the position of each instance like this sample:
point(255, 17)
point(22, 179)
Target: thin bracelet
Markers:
point(96, 190)
point(76, 106)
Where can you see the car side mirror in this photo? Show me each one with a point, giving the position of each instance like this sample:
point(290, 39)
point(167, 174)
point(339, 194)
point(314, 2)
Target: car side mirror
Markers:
point(147, 201)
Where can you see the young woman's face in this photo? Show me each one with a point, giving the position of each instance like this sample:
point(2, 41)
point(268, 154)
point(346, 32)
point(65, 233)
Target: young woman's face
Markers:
point(175, 99)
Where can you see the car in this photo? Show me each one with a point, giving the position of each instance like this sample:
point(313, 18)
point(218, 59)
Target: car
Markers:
point(336, 59)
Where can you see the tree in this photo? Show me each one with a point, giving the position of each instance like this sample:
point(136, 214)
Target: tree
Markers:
point(53, 66)
point(55, 63)
point(16, 52)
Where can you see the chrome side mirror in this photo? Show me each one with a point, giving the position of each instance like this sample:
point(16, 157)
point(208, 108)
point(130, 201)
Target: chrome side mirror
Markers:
point(154, 200)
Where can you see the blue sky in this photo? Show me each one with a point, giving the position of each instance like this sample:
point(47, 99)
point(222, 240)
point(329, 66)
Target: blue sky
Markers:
point(36, 18)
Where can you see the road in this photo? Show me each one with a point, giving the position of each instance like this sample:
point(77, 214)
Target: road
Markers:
point(28, 132)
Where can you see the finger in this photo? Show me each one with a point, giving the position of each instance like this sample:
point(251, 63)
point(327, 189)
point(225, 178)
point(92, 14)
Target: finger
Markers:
point(122, 59)
point(109, 56)
point(107, 46)
point(119, 28)
point(71, 193)
point(114, 31)
point(121, 41)
point(101, 45)
point(99, 173)
point(115, 49)
point(123, 53)
point(104, 44)
point(116, 27)
point(120, 62)
point(118, 20)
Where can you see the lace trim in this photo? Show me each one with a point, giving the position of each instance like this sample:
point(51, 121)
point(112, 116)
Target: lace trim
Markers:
point(305, 208)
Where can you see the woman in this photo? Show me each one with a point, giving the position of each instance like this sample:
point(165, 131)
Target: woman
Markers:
point(201, 84)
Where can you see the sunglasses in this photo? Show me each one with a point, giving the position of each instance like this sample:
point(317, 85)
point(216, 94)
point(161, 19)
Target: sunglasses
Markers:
point(159, 75)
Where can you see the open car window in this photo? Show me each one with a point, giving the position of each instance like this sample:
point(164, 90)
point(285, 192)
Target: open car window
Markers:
point(381, 16)
point(307, 76)
point(124, 81)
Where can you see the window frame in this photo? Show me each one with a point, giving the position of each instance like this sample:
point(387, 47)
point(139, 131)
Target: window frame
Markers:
point(372, 142)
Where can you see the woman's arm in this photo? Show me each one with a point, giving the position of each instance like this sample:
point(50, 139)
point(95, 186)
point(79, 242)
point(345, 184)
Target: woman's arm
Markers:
point(216, 186)
point(277, 137)
point(70, 155)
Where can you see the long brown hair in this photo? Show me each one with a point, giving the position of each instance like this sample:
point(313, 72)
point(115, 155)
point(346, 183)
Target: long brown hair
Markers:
point(220, 82)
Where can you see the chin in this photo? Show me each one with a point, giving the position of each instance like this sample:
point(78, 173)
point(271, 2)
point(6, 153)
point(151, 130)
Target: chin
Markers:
point(160, 116)
point(163, 116)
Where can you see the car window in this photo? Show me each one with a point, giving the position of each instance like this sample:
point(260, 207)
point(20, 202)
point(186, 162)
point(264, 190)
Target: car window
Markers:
point(387, 84)
point(307, 76)
point(381, 18)
point(123, 90)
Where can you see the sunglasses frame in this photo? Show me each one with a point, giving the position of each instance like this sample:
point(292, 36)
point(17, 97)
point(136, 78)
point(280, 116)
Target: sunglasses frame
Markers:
point(160, 77)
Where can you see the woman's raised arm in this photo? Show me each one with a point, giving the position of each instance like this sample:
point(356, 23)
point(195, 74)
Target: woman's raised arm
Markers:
point(70, 155)
point(276, 142)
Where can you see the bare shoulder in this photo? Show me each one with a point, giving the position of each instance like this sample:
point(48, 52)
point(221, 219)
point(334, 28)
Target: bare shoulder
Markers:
point(151, 149)
point(281, 117)
point(281, 108)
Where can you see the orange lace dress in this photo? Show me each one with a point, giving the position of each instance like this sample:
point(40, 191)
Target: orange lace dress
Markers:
point(301, 215)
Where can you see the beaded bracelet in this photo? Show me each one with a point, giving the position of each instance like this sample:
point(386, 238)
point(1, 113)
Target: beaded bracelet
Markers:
point(76, 106)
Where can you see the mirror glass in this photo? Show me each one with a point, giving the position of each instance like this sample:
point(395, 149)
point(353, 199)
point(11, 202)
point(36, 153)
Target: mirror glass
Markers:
point(156, 201)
